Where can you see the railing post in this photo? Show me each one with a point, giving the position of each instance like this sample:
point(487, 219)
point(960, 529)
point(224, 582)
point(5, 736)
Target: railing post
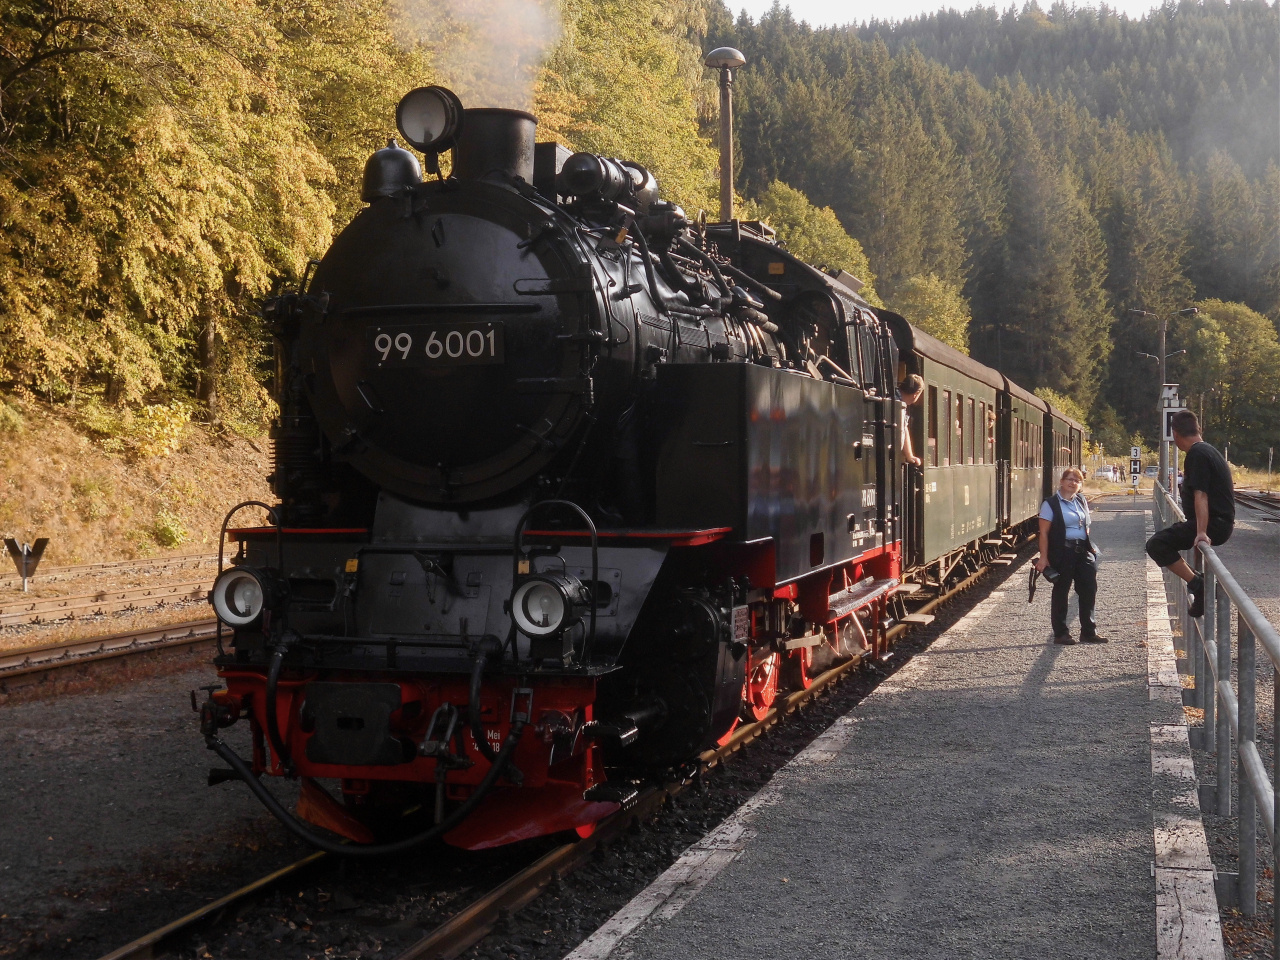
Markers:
point(1224, 722)
point(1208, 635)
point(1195, 649)
point(1248, 802)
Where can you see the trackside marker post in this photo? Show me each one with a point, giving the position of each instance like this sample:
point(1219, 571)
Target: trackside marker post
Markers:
point(26, 557)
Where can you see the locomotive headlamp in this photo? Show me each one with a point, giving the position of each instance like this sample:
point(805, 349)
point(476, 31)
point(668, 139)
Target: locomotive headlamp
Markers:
point(430, 118)
point(241, 594)
point(547, 603)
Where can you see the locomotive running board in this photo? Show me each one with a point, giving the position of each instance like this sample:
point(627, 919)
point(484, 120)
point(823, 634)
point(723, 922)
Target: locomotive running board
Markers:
point(846, 601)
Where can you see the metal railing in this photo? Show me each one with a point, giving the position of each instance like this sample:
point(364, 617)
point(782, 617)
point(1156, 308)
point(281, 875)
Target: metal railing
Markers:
point(1230, 716)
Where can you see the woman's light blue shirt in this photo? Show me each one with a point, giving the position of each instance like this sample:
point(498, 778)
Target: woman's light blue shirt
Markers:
point(1074, 514)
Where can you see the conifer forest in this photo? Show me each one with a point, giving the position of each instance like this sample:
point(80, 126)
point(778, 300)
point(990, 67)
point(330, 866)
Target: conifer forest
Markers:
point(1029, 185)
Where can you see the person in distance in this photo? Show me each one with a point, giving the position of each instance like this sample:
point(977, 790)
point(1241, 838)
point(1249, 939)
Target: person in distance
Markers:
point(1068, 557)
point(911, 388)
point(1208, 502)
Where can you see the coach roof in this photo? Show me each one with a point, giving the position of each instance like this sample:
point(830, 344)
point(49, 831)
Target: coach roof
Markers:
point(912, 339)
point(1022, 394)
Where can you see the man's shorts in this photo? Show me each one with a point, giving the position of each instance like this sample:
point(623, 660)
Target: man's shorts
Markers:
point(1164, 547)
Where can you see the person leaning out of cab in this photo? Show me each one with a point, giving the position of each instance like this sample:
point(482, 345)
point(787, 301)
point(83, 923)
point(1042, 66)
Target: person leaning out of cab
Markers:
point(1069, 557)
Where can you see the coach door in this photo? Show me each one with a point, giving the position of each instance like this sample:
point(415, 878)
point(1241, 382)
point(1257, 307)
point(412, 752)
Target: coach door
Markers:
point(881, 423)
point(1003, 427)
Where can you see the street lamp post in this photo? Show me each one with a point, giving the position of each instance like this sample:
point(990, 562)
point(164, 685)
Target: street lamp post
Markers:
point(1163, 358)
point(726, 60)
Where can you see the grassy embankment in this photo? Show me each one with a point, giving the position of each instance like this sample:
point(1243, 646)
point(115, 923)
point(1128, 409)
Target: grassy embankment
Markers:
point(108, 486)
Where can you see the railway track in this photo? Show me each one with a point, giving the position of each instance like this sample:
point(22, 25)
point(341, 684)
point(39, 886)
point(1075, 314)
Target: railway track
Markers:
point(76, 571)
point(29, 666)
point(99, 602)
point(1268, 503)
point(476, 921)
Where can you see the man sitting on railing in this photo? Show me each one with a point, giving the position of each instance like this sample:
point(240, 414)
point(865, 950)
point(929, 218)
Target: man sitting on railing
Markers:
point(1208, 502)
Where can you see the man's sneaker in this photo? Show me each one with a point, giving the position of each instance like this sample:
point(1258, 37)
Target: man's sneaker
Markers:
point(1064, 638)
point(1195, 593)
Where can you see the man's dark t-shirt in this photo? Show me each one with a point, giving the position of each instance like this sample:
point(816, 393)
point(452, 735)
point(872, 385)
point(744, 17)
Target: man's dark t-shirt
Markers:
point(1205, 469)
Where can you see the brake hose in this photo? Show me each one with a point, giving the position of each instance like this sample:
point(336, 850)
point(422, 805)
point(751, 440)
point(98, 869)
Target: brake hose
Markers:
point(273, 719)
point(299, 829)
point(487, 646)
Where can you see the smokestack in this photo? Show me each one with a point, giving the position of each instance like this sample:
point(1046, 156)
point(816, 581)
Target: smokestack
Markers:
point(495, 141)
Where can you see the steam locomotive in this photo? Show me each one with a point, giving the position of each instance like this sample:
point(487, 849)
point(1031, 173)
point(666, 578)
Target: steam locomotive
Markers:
point(569, 484)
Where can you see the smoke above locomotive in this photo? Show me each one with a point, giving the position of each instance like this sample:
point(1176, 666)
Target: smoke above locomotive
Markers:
point(568, 483)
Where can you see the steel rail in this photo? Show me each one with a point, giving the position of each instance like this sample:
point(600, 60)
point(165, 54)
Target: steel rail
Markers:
point(75, 571)
point(145, 946)
point(1269, 505)
point(49, 658)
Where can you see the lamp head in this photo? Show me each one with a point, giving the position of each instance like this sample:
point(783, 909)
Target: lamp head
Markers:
point(430, 118)
point(724, 57)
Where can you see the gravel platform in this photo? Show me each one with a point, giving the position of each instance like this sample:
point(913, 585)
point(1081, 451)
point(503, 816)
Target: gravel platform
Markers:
point(994, 802)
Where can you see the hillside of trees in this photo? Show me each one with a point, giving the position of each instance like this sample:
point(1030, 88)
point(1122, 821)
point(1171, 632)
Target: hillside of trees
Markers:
point(1017, 183)
point(1055, 171)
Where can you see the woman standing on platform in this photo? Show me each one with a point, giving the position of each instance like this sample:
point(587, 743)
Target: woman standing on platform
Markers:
point(1069, 557)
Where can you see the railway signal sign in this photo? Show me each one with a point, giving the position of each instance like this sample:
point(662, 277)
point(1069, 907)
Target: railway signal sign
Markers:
point(1135, 453)
point(1135, 466)
point(26, 557)
point(1168, 419)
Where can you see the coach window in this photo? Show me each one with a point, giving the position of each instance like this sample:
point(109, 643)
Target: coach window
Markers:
point(991, 434)
point(945, 438)
point(982, 431)
point(957, 432)
point(933, 425)
point(969, 434)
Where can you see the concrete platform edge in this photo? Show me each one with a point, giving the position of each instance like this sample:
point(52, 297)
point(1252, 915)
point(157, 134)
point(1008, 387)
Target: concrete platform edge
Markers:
point(1188, 925)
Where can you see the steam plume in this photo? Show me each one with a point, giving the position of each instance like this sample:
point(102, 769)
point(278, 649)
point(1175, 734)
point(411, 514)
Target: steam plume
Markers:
point(488, 51)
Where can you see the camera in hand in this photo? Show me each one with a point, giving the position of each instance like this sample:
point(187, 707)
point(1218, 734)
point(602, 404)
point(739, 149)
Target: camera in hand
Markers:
point(1051, 574)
